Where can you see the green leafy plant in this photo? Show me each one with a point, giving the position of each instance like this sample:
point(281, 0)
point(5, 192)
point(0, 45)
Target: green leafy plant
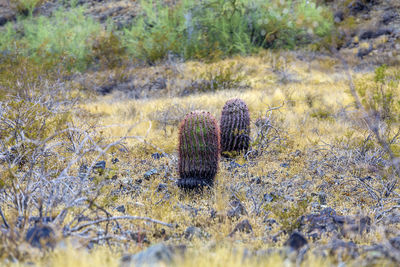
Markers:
point(382, 97)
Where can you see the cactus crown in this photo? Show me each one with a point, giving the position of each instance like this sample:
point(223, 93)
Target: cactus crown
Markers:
point(235, 126)
point(199, 148)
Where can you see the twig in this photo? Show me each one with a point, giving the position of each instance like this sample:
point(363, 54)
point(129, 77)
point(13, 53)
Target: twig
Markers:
point(4, 218)
point(120, 218)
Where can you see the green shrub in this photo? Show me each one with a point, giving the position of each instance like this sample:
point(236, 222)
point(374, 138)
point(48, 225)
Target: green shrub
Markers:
point(208, 29)
point(381, 97)
point(65, 35)
point(214, 28)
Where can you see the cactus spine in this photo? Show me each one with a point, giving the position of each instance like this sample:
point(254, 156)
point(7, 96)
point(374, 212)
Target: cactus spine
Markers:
point(235, 127)
point(199, 148)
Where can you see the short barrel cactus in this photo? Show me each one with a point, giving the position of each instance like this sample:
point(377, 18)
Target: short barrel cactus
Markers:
point(199, 148)
point(235, 127)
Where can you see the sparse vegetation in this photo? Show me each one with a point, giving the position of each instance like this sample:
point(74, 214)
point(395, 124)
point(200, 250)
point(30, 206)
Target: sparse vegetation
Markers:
point(92, 155)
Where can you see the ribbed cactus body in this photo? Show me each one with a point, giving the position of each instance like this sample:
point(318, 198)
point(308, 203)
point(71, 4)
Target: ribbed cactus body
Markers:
point(235, 126)
point(199, 148)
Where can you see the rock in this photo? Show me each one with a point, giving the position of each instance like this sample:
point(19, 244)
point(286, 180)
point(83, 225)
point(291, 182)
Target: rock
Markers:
point(121, 208)
point(316, 225)
point(154, 256)
point(269, 197)
point(161, 187)
point(256, 180)
point(243, 226)
point(340, 247)
point(296, 241)
point(233, 165)
point(364, 51)
point(338, 16)
point(389, 16)
point(192, 231)
point(6, 12)
point(100, 165)
point(41, 235)
point(357, 6)
point(370, 34)
point(322, 198)
point(114, 160)
point(395, 242)
point(285, 165)
point(237, 209)
point(148, 174)
point(157, 155)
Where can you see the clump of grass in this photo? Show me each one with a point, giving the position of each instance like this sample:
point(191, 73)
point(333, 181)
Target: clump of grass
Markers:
point(220, 76)
point(26, 6)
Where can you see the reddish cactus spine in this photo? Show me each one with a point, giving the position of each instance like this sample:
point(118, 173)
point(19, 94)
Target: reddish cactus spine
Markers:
point(235, 127)
point(199, 148)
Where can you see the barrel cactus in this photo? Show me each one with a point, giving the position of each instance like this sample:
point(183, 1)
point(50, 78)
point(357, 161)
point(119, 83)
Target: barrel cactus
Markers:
point(235, 127)
point(199, 148)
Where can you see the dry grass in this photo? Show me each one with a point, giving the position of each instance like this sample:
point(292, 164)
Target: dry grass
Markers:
point(317, 119)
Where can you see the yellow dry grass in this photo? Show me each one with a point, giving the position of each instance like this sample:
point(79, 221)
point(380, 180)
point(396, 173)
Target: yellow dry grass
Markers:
point(309, 118)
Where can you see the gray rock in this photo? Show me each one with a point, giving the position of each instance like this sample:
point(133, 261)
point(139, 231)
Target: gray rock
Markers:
point(154, 256)
point(121, 208)
point(322, 198)
point(296, 241)
point(237, 209)
point(6, 12)
point(149, 173)
point(192, 231)
point(243, 226)
point(41, 236)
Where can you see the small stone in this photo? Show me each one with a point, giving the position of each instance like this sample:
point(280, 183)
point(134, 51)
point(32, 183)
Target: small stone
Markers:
point(296, 241)
point(150, 173)
point(357, 6)
point(234, 165)
point(100, 165)
point(269, 197)
point(121, 208)
point(114, 160)
point(322, 198)
point(270, 223)
point(192, 231)
point(388, 16)
point(395, 242)
point(237, 209)
point(285, 165)
point(157, 155)
point(243, 226)
point(161, 187)
point(256, 180)
point(41, 235)
point(338, 16)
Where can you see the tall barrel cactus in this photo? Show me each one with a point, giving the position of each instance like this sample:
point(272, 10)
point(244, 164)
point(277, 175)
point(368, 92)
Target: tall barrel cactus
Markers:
point(235, 127)
point(199, 148)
